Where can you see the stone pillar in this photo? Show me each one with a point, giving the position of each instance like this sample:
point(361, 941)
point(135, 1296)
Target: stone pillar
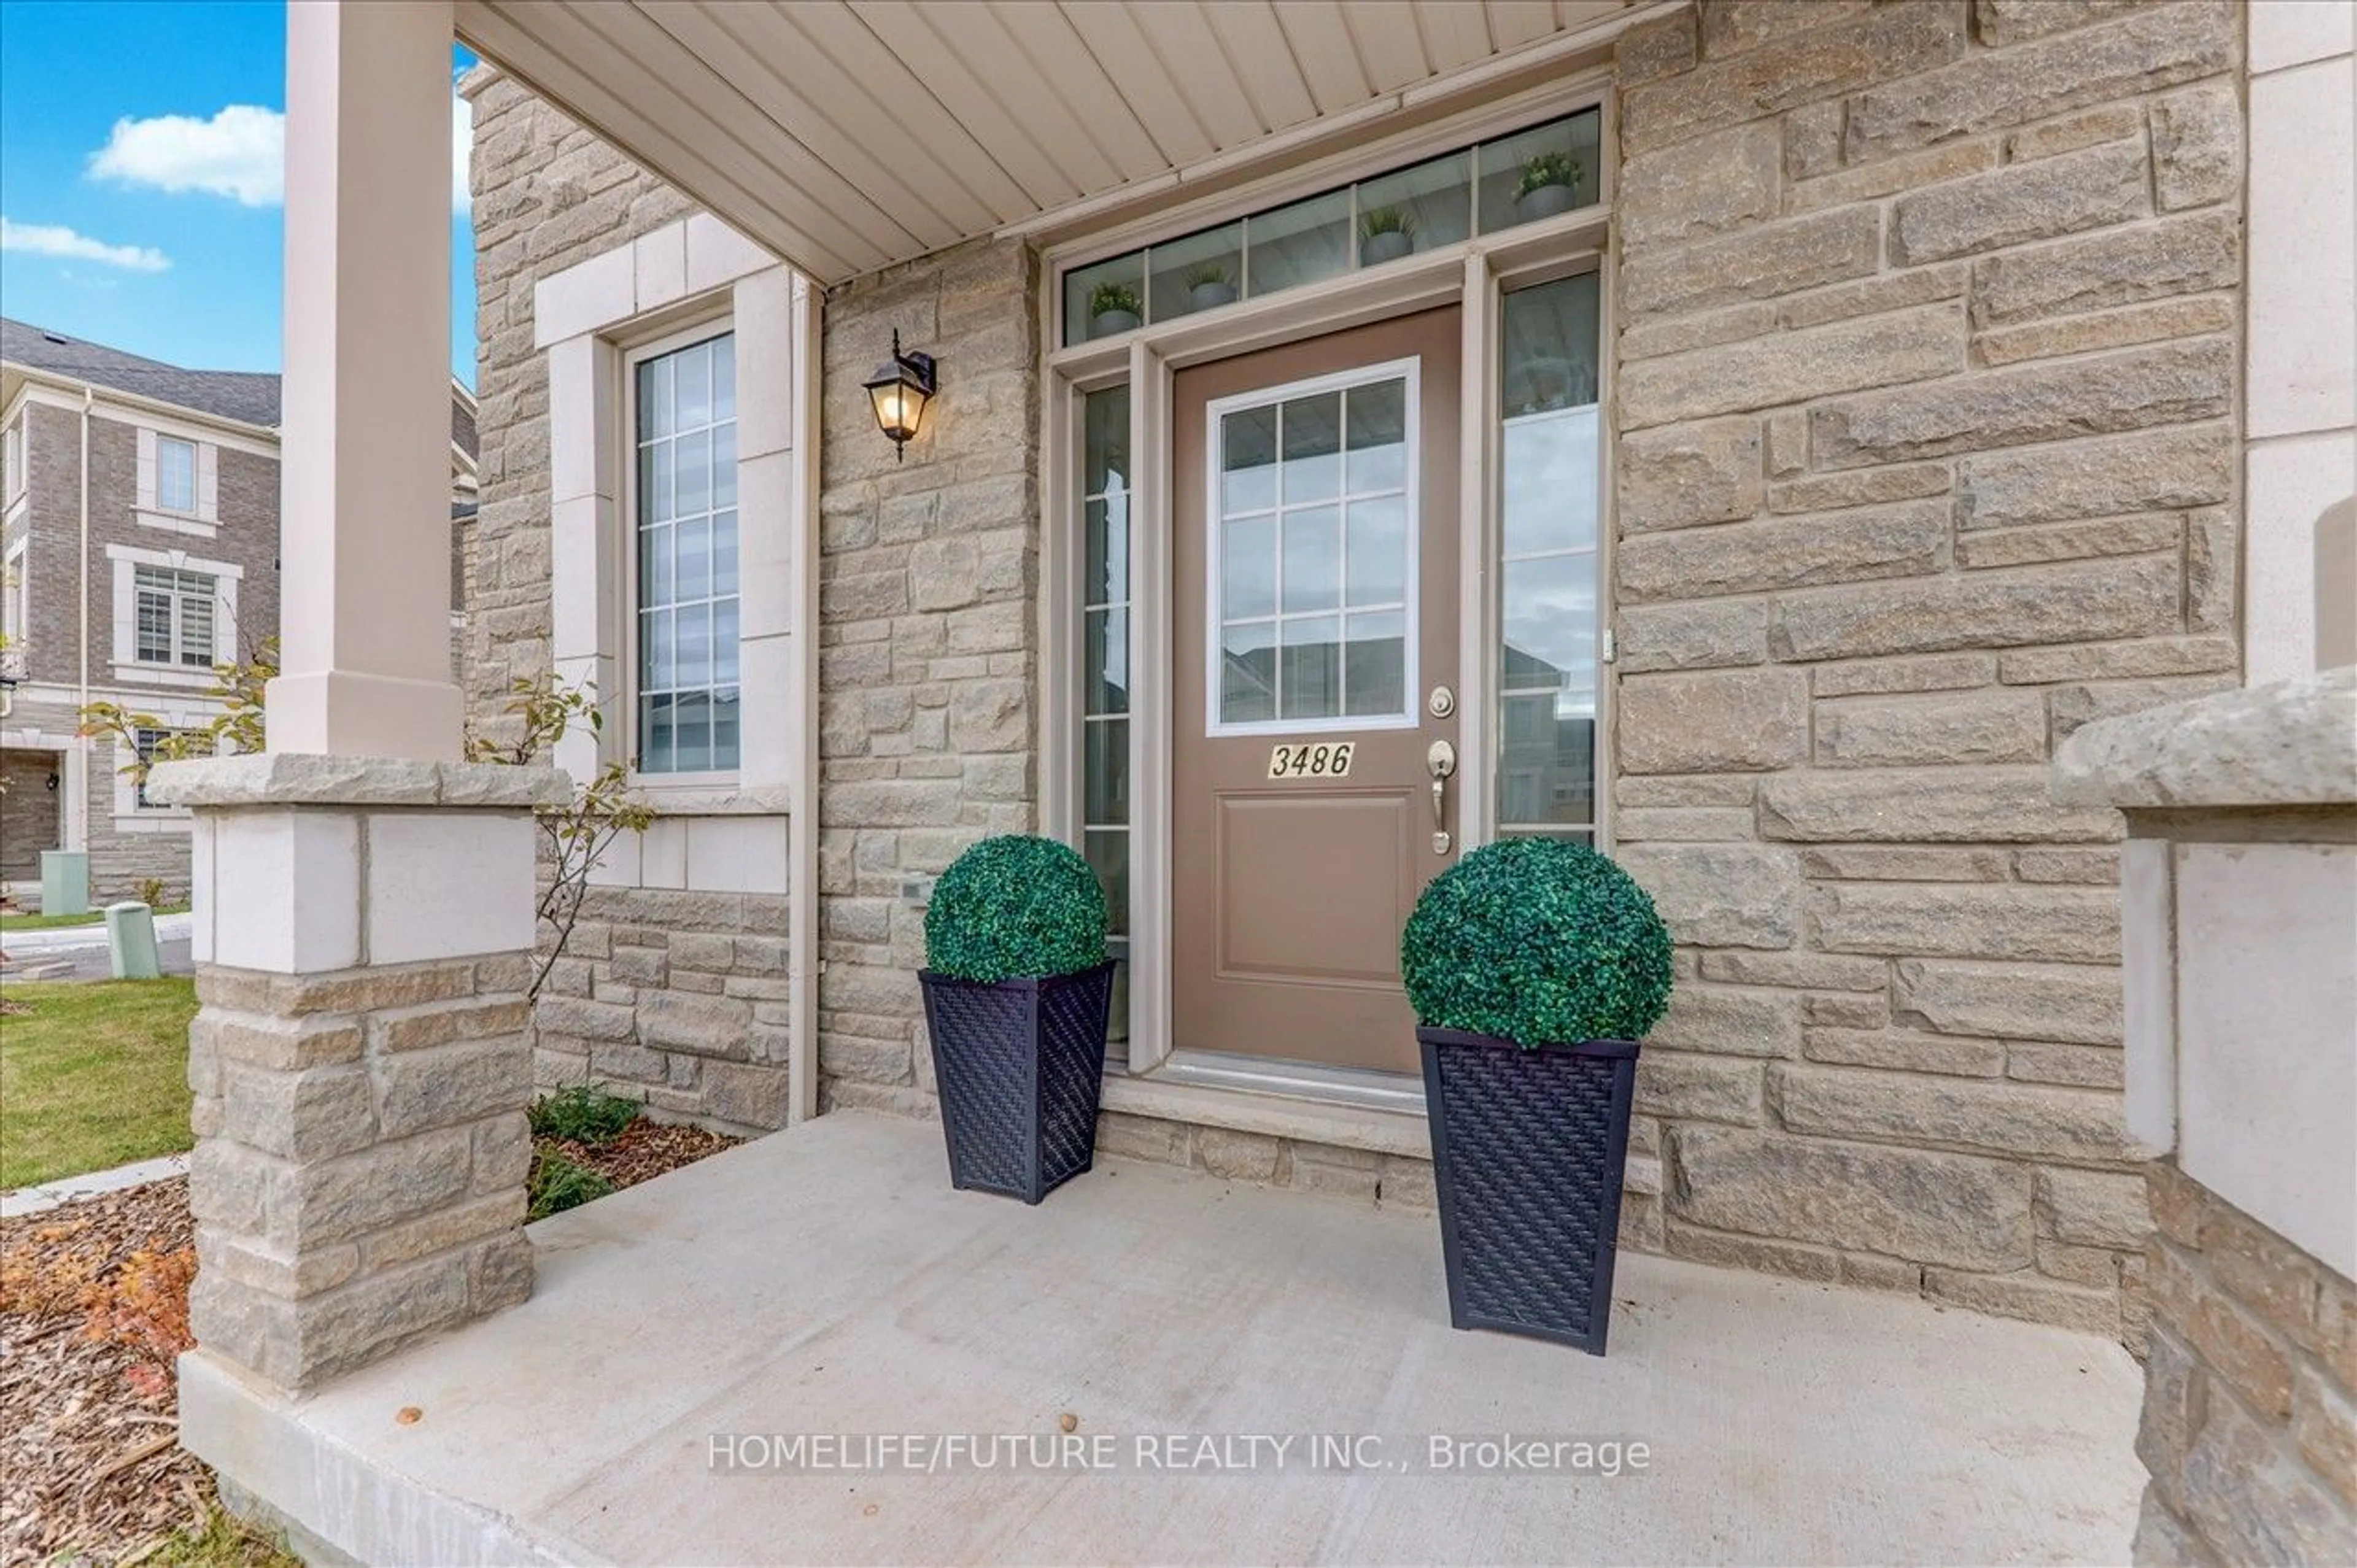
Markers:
point(2239, 884)
point(362, 1061)
point(365, 507)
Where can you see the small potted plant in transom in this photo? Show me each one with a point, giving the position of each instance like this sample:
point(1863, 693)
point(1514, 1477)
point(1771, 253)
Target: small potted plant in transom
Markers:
point(1534, 966)
point(1112, 310)
point(1017, 995)
point(1549, 184)
point(1386, 234)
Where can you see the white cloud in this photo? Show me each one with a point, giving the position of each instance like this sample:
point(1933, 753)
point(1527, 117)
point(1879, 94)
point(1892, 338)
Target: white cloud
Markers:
point(239, 153)
point(56, 240)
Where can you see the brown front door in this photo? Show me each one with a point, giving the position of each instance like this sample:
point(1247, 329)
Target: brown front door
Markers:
point(1315, 615)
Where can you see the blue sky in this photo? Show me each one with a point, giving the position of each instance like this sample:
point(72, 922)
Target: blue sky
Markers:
point(139, 168)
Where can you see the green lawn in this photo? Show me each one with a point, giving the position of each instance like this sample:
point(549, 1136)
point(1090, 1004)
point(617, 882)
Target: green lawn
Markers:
point(93, 917)
point(95, 1075)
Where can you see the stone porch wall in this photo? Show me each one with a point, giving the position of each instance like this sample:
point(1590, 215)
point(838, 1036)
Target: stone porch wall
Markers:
point(928, 638)
point(677, 999)
point(2250, 1412)
point(1926, 396)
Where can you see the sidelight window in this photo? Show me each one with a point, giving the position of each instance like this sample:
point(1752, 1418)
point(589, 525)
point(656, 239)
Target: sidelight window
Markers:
point(1548, 578)
point(684, 425)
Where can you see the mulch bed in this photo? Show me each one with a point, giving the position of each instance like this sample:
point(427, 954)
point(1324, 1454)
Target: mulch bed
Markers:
point(87, 1423)
point(641, 1150)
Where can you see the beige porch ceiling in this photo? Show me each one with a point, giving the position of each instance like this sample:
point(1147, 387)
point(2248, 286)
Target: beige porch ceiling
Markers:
point(848, 134)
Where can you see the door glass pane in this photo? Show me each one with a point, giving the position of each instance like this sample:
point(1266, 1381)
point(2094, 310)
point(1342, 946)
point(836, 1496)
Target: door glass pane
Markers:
point(1378, 555)
point(1248, 461)
point(1313, 558)
point(1248, 672)
point(1374, 664)
point(1377, 432)
point(1547, 573)
point(1249, 569)
point(1312, 435)
point(1310, 684)
point(1334, 466)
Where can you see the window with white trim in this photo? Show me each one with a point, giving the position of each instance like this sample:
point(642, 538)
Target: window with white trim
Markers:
point(173, 617)
point(12, 462)
point(175, 474)
point(148, 740)
point(684, 427)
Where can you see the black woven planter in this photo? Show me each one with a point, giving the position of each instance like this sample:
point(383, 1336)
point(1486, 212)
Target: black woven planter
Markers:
point(1527, 1150)
point(1019, 1063)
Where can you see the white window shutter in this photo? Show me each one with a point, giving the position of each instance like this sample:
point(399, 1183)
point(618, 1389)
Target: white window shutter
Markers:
point(147, 500)
point(208, 481)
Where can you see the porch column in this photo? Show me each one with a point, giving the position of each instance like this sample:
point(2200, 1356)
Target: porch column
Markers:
point(364, 905)
point(2239, 928)
point(365, 454)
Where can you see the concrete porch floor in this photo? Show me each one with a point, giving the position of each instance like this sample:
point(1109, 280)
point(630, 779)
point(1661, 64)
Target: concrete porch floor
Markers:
point(827, 1280)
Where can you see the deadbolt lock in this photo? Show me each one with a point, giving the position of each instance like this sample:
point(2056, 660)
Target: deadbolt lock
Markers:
point(1443, 702)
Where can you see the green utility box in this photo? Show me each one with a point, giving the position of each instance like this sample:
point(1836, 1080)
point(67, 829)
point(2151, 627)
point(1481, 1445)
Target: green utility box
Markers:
point(131, 941)
point(65, 882)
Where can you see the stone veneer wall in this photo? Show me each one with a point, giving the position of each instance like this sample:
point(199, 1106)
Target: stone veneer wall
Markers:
point(675, 998)
point(1927, 346)
point(2250, 1412)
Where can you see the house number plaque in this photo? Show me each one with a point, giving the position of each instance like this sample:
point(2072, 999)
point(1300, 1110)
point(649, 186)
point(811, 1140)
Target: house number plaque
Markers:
point(1326, 759)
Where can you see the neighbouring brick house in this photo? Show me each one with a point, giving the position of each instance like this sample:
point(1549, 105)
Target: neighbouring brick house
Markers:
point(1755, 438)
point(169, 555)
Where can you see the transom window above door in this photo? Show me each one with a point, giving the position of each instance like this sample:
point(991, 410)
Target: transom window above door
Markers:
point(1312, 590)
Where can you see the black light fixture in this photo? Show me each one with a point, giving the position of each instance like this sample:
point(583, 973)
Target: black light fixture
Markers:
point(900, 389)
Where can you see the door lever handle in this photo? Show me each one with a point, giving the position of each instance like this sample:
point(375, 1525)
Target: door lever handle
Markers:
point(1440, 761)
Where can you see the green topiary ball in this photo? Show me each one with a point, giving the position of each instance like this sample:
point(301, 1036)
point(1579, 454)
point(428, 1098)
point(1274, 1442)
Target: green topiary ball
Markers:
point(1540, 941)
point(1016, 908)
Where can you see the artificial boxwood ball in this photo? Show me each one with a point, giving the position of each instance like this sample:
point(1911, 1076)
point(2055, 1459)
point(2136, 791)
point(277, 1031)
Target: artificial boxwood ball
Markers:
point(1541, 941)
point(1016, 908)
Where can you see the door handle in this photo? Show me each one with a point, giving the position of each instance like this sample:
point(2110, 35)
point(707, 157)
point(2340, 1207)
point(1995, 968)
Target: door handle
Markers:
point(1440, 761)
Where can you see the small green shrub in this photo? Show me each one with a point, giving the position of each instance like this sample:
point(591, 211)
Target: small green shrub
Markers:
point(1016, 908)
point(151, 892)
point(1110, 296)
point(1540, 941)
point(583, 1113)
point(1545, 169)
point(557, 1184)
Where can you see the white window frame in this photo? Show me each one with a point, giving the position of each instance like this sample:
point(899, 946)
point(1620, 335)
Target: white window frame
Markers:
point(179, 597)
point(16, 601)
point(226, 575)
point(165, 446)
point(201, 517)
point(12, 460)
point(701, 330)
point(1410, 716)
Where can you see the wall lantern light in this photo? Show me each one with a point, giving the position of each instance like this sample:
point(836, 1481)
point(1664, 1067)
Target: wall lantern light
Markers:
point(901, 389)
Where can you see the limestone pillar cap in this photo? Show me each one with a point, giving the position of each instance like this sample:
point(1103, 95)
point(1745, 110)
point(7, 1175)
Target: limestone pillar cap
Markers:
point(2290, 744)
point(302, 778)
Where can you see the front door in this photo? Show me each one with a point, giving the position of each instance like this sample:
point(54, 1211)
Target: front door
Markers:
point(1315, 628)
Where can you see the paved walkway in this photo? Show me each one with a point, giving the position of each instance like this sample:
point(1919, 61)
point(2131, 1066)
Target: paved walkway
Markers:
point(65, 1189)
point(825, 1283)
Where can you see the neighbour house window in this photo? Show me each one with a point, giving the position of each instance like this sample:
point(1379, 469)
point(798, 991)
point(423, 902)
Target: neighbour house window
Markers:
point(174, 617)
point(175, 474)
point(1550, 502)
point(684, 420)
point(1519, 178)
point(148, 740)
point(1104, 613)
